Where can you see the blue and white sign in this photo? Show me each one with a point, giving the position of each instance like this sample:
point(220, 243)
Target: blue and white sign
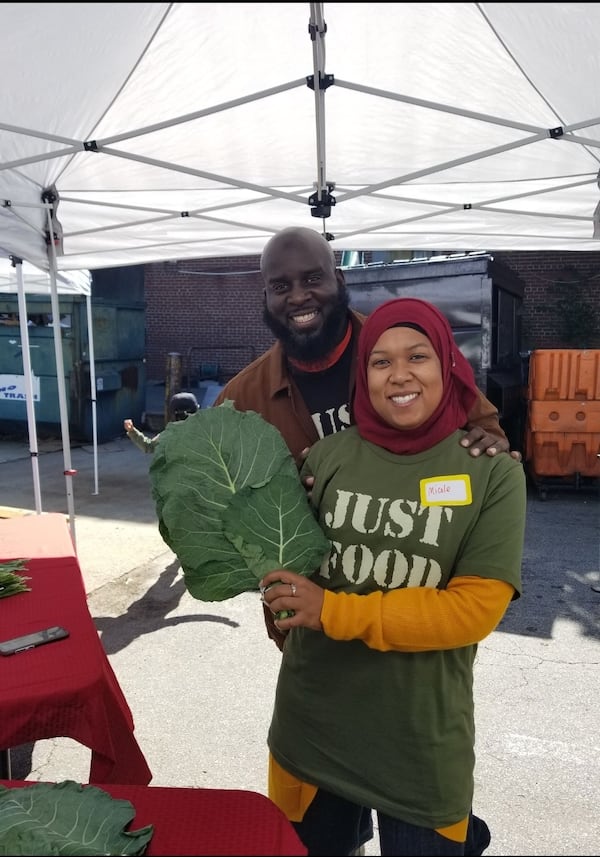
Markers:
point(12, 388)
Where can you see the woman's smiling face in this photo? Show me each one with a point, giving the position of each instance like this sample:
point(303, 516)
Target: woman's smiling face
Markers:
point(404, 377)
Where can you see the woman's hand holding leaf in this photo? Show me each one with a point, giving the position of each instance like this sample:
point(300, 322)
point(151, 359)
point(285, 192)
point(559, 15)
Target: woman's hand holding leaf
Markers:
point(294, 595)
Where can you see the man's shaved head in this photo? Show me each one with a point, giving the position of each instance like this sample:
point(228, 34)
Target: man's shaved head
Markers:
point(298, 236)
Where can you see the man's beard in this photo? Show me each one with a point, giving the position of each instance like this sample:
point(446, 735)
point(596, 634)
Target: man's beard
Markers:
point(307, 347)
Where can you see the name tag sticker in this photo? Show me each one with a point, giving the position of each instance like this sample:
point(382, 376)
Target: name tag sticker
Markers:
point(452, 490)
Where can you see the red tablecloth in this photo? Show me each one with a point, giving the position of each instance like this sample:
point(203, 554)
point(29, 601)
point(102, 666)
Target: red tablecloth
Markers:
point(206, 821)
point(65, 688)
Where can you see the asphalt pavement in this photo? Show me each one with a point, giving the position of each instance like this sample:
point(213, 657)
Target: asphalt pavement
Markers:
point(200, 677)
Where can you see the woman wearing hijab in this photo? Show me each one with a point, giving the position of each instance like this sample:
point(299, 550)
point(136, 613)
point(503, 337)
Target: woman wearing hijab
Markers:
point(374, 704)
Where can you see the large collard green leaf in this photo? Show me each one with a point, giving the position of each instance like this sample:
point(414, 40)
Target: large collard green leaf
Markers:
point(230, 502)
point(275, 527)
point(67, 818)
point(197, 467)
point(269, 527)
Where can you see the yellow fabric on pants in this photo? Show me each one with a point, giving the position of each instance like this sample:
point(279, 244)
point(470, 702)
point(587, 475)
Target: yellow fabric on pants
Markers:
point(293, 797)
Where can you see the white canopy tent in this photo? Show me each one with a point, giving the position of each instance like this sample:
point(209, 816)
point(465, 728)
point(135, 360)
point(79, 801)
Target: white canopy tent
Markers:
point(132, 133)
point(21, 278)
point(152, 131)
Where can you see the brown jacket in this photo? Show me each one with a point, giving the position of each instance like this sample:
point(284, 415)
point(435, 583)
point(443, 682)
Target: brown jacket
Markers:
point(265, 386)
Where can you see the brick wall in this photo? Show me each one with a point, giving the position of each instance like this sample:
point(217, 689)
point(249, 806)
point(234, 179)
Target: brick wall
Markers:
point(561, 305)
point(207, 310)
point(210, 310)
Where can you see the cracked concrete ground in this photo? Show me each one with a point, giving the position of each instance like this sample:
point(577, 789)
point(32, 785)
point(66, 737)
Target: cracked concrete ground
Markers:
point(200, 677)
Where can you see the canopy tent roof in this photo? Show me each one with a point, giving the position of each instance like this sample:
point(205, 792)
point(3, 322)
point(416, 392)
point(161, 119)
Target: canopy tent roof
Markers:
point(160, 131)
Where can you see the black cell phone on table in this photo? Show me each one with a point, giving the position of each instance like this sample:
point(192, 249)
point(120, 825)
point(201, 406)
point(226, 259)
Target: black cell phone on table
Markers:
point(30, 641)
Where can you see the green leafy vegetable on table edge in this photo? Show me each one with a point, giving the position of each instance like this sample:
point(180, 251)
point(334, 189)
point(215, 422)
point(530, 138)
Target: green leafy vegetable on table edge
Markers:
point(67, 818)
point(230, 502)
point(12, 580)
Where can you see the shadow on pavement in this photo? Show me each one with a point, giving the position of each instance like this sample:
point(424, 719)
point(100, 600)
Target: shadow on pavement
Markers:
point(150, 613)
point(561, 566)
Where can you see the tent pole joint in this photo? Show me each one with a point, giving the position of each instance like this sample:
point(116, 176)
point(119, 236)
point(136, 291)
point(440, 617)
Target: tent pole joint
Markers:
point(314, 30)
point(322, 202)
point(325, 81)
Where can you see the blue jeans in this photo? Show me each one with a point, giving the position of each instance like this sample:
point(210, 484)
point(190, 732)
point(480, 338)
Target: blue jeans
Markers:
point(335, 826)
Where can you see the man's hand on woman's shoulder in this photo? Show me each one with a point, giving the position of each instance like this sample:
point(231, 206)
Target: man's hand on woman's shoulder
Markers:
point(477, 441)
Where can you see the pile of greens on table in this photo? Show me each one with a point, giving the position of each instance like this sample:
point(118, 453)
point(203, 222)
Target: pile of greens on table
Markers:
point(230, 502)
point(12, 577)
point(67, 818)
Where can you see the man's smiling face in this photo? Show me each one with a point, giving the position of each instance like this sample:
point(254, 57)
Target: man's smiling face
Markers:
point(305, 298)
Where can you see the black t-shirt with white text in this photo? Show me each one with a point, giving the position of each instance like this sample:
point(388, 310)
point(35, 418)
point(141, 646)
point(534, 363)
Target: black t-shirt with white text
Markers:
point(327, 394)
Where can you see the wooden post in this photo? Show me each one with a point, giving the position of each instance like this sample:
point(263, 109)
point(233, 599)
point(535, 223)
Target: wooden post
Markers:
point(172, 380)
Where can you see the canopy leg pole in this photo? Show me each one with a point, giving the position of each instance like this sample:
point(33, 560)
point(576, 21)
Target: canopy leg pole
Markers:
point(88, 301)
point(69, 472)
point(28, 379)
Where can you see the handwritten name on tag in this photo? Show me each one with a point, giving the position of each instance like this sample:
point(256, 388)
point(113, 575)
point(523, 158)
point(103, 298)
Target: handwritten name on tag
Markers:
point(454, 490)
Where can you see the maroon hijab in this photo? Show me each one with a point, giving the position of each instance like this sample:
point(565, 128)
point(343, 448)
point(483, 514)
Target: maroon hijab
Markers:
point(460, 390)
